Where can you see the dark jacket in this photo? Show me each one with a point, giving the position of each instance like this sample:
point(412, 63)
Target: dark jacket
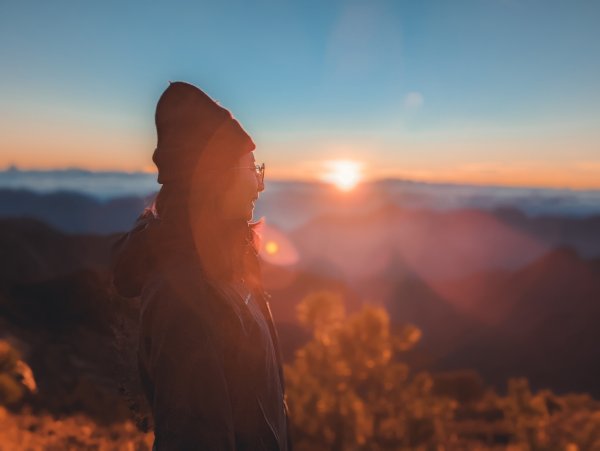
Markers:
point(210, 364)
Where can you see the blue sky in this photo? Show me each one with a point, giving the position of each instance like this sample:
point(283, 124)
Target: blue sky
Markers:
point(488, 91)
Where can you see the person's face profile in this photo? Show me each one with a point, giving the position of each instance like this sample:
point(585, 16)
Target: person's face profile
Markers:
point(239, 198)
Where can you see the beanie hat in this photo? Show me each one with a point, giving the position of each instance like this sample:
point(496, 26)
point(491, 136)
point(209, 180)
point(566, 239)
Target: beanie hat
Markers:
point(190, 126)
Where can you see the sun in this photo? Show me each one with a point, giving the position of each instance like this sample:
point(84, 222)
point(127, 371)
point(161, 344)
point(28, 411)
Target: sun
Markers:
point(344, 174)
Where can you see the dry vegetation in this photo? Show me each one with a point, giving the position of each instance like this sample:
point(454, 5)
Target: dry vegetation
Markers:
point(23, 429)
point(26, 431)
point(348, 389)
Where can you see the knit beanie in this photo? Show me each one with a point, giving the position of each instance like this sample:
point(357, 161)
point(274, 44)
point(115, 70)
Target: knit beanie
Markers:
point(193, 129)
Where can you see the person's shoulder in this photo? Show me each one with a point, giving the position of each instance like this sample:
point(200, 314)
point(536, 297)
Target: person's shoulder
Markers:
point(184, 294)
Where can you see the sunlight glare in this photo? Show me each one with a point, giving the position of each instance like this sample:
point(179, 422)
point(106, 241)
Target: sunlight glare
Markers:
point(344, 174)
point(276, 247)
point(271, 247)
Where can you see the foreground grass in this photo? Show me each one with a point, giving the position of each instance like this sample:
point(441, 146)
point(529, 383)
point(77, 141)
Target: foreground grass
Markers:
point(26, 431)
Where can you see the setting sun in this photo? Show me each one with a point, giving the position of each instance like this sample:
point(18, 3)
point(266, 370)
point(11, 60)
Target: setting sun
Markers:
point(345, 174)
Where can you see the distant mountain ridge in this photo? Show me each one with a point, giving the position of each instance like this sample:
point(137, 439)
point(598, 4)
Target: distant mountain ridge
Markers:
point(289, 195)
point(99, 184)
point(536, 321)
point(438, 245)
point(546, 328)
point(72, 212)
point(32, 251)
point(301, 206)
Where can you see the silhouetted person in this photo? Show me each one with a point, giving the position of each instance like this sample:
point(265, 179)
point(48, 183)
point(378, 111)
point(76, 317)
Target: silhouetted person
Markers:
point(208, 357)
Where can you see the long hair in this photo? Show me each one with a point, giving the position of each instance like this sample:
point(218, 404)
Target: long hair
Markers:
point(227, 249)
point(180, 223)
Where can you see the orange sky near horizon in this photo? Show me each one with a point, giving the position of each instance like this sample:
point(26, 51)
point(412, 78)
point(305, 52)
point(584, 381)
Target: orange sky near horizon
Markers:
point(505, 93)
point(458, 155)
point(579, 175)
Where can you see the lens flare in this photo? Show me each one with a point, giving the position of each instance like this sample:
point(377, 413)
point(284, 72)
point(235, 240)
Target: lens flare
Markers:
point(277, 249)
point(271, 247)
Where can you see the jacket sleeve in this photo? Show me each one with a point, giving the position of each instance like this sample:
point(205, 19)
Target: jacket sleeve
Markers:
point(183, 359)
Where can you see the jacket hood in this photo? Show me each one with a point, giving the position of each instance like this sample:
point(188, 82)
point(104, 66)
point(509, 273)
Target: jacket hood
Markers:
point(139, 253)
point(132, 259)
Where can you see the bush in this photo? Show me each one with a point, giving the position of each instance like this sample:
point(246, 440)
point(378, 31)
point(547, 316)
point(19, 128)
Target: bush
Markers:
point(16, 378)
point(347, 390)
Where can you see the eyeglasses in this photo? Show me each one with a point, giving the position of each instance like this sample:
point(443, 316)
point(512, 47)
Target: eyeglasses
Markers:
point(258, 168)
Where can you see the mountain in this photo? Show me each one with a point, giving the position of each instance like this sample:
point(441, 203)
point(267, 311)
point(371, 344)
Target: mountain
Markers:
point(533, 318)
point(32, 251)
point(581, 234)
point(337, 232)
point(73, 212)
point(547, 330)
point(57, 306)
point(444, 329)
point(434, 245)
point(287, 287)
point(64, 328)
point(304, 200)
point(102, 185)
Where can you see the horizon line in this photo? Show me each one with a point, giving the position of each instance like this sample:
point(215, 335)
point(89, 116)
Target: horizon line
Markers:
point(367, 180)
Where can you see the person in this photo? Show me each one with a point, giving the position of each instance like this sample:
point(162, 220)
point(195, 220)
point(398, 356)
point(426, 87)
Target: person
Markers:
point(208, 352)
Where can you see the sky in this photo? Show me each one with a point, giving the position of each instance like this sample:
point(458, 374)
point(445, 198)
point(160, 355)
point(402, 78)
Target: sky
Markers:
point(500, 92)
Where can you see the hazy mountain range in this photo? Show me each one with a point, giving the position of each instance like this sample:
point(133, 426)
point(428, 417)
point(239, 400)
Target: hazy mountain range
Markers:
point(535, 320)
point(289, 204)
point(497, 287)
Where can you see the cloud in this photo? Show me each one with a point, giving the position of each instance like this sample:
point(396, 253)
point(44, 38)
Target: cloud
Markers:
point(413, 100)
